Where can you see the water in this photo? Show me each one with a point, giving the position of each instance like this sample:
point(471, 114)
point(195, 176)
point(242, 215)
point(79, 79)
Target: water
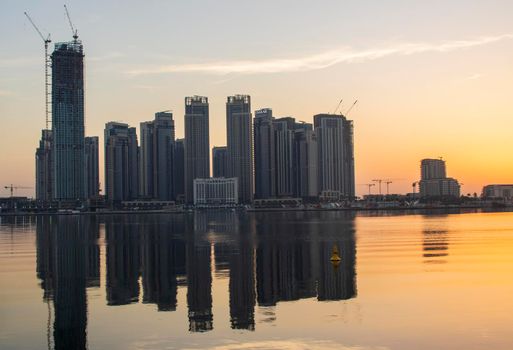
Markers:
point(224, 280)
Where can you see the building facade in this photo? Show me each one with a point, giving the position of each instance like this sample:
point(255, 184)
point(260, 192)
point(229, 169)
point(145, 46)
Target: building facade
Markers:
point(92, 172)
point(146, 160)
point(179, 170)
point(335, 154)
point(44, 167)
point(219, 162)
point(498, 192)
point(265, 180)
point(305, 161)
point(284, 156)
point(446, 187)
point(120, 162)
point(216, 192)
point(240, 144)
point(68, 120)
point(432, 169)
point(163, 142)
point(156, 157)
point(197, 145)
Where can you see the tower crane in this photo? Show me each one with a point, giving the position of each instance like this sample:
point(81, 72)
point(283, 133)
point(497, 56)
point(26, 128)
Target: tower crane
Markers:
point(48, 67)
point(12, 187)
point(73, 30)
point(379, 181)
point(350, 108)
point(338, 106)
point(388, 182)
point(369, 186)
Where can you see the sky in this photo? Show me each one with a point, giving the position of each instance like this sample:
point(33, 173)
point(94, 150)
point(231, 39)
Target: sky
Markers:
point(432, 78)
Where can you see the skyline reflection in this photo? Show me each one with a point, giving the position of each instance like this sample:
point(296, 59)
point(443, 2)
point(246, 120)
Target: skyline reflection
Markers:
point(148, 257)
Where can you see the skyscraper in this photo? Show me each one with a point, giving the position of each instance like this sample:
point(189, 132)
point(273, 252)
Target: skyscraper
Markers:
point(220, 161)
point(163, 139)
point(240, 144)
point(265, 182)
point(156, 157)
point(283, 145)
point(336, 154)
point(179, 169)
point(92, 174)
point(68, 120)
point(120, 162)
point(146, 160)
point(197, 146)
point(44, 167)
point(305, 161)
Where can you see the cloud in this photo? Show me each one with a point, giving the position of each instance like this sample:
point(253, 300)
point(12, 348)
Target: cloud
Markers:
point(317, 61)
point(5, 93)
point(474, 76)
point(107, 57)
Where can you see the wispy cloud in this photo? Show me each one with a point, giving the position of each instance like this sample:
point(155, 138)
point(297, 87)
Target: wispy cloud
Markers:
point(474, 76)
point(318, 61)
point(107, 57)
point(5, 93)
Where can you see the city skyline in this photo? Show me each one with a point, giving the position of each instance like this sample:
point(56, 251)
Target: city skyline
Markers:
point(463, 77)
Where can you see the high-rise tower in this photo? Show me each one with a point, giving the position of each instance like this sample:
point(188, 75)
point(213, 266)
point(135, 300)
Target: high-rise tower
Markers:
point(336, 155)
point(265, 182)
point(120, 162)
point(240, 144)
point(197, 146)
point(92, 176)
point(68, 120)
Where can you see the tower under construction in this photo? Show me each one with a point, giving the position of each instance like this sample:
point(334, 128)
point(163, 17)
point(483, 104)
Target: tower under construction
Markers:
point(68, 120)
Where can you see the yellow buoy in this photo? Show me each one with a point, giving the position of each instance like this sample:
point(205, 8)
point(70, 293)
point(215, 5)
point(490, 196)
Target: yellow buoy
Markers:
point(335, 256)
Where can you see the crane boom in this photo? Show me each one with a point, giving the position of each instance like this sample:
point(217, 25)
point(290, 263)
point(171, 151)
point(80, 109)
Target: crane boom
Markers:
point(48, 73)
point(73, 30)
point(37, 29)
point(338, 106)
point(350, 108)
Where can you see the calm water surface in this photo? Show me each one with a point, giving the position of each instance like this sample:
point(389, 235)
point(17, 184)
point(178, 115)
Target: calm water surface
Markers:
point(224, 280)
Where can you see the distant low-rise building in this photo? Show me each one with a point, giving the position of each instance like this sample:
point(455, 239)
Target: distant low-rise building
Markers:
point(498, 191)
point(434, 181)
point(216, 192)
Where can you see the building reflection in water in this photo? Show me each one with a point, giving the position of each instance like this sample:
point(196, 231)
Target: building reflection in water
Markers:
point(123, 261)
point(268, 258)
point(199, 274)
point(435, 244)
point(67, 263)
point(293, 257)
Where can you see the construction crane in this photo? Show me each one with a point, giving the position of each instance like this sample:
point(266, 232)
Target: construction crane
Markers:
point(369, 187)
point(73, 30)
point(338, 106)
point(15, 187)
point(350, 108)
point(379, 181)
point(48, 70)
point(388, 182)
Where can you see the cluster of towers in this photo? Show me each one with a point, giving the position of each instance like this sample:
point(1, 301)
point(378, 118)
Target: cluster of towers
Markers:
point(270, 157)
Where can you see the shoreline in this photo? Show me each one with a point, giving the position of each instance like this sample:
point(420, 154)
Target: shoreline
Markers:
point(258, 210)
